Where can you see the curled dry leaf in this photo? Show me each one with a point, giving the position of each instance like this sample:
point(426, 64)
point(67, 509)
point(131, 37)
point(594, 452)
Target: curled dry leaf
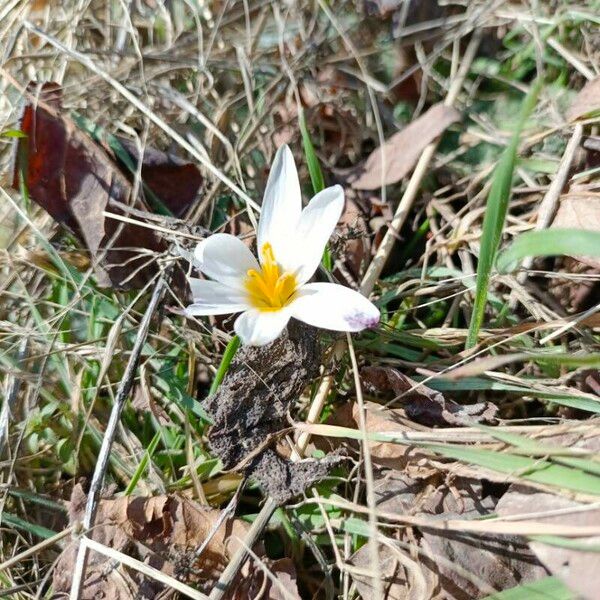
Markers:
point(164, 532)
point(424, 405)
point(75, 181)
point(402, 151)
point(174, 181)
point(579, 569)
point(586, 102)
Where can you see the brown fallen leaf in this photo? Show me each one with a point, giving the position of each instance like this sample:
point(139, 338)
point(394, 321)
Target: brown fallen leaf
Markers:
point(577, 211)
point(586, 102)
point(580, 570)
point(397, 456)
point(453, 566)
point(75, 181)
point(403, 577)
point(474, 562)
point(402, 150)
point(424, 405)
point(173, 180)
point(165, 532)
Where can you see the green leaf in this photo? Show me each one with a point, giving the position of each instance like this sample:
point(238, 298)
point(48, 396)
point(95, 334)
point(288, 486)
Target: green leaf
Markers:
point(314, 168)
point(13, 133)
point(143, 464)
point(549, 242)
point(12, 520)
point(230, 350)
point(548, 588)
point(316, 175)
point(495, 215)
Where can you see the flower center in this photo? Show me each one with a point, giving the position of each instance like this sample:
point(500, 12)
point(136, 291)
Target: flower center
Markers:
point(269, 288)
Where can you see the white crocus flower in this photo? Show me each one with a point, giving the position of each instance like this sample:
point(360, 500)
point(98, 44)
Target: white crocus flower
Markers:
point(270, 291)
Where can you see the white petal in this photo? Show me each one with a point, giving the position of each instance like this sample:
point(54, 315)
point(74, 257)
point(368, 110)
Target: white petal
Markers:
point(333, 306)
point(317, 222)
point(257, 328)
point(281, 205)
point(214, 298)
point(225, 258)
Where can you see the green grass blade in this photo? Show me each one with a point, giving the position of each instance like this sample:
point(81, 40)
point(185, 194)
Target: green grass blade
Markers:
point(316, 175)
point(314, 168)
point(549, 242)
point(143, 464)
point(228, 355)
point(539, 471)
point(523, 467)
point(579, 544)
point(548, 588)
point(559, 454)
point(12, 520)
point(495, 214)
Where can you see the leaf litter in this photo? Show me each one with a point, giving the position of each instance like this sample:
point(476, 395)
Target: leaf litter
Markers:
point(166, 532)
point(76, 181)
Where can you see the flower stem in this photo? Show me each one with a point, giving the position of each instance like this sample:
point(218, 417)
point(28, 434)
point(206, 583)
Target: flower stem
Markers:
point(228, 355)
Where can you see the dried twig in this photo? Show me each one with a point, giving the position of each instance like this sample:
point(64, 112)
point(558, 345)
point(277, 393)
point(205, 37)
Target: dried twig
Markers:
point(549, 203)
point(11, 395)
point(109, 435)
point(406, 203)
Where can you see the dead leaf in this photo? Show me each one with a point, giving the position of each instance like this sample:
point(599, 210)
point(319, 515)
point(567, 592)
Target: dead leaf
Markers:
point(75, 181)
point(403, 149)
point(354, 234)
point(587, 101)
point(403, 577)
point(579, 212)
point(165, 532)
point(255, 583)
point(424, 405)
point(395, 456)
point(453, 566)
point(173, 180)
point(143, 401)
point(474, 565)
point(580, 570)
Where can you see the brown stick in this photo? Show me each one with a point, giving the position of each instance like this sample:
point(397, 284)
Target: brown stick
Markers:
point(109, 435)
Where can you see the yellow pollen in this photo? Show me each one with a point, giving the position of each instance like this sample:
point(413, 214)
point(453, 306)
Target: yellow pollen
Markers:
point(269, 289)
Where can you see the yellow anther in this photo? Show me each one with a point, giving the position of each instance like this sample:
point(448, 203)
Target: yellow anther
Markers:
point(270, 289)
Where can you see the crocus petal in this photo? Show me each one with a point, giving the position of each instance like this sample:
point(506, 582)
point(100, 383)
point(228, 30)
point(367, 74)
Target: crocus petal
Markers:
point(257, 328)
point(281, 205)
point(317, 222)
point(333, 306)
point(214, 298)
point(225, 258)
